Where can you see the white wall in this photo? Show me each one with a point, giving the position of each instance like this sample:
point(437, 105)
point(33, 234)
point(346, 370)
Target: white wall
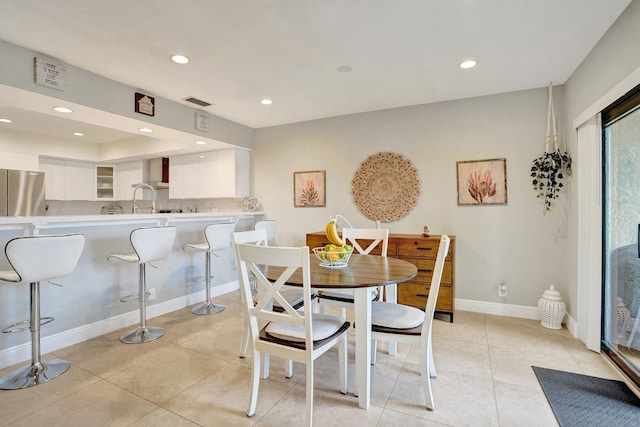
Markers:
point(612, 60)
point(515, 244)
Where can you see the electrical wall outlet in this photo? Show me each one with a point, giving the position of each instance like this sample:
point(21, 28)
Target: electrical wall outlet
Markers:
point(502, 289)
point(152, 294)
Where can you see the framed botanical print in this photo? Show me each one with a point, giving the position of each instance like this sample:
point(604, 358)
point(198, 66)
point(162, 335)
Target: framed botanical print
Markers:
point(309, 189)
point(482, 182)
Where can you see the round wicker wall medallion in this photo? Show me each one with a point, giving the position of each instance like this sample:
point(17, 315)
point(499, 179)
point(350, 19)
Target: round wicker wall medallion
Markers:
point(385, 187)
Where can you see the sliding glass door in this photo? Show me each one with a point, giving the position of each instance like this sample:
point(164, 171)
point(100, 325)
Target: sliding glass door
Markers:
point(621, 233)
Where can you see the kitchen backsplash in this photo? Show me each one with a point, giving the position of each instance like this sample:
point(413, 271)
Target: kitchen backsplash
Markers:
point(58, 207)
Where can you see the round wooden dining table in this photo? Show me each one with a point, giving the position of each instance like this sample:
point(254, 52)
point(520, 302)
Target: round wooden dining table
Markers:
point(362, 274)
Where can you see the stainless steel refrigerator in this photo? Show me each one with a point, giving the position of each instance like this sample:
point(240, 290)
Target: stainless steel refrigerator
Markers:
point(21, 193)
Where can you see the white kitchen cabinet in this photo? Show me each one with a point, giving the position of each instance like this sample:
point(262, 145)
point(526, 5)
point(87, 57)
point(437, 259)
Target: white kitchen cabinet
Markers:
point(54, 178)
point(208, 174)
point(190, 176)
point(176, 177)
point(232, 173)
point(79, 182)
point(125, 176)
point(193, 182)
point(223, 173)
point(68, 180)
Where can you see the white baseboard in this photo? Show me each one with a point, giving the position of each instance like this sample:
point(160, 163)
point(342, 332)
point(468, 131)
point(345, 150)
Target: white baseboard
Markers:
point(511, 310)
point(51, 343)
point(498, 309)
point(572, 325)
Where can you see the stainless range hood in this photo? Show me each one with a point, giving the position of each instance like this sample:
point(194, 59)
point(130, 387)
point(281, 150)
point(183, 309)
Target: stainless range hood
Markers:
point(159, 172)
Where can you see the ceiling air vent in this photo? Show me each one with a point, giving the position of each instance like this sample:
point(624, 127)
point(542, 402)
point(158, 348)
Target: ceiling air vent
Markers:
point(197, 101)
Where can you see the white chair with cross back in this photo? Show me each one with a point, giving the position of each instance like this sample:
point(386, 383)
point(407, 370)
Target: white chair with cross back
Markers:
point(299, 335)
point(294, 296)
point(365, 241)
point(410, 325)
point(375, 238)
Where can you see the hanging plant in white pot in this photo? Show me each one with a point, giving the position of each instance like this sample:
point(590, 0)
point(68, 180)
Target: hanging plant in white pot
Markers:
point(549, 170)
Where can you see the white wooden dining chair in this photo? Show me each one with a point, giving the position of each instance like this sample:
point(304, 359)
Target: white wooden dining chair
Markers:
point(375, 238)
point(254, 237)
point(300, 335)
point(410, 325)
point(294, 296)
point(268, 225)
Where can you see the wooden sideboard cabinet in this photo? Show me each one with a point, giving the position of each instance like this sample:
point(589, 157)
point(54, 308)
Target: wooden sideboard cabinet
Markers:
point(422, 252)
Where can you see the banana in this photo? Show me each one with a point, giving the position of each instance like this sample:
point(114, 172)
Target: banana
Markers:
point(332, 234)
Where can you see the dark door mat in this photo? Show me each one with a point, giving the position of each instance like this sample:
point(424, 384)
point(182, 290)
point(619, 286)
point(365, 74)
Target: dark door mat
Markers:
point(582, 400)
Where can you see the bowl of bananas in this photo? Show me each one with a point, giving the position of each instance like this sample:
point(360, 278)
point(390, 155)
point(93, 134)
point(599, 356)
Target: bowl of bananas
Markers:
point(337, 253)
point(332, 256)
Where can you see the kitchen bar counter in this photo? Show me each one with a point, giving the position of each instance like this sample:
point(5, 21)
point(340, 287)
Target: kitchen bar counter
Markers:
point(31, 224)
point(88, 303)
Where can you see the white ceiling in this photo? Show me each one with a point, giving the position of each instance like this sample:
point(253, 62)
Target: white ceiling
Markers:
point(402, 52)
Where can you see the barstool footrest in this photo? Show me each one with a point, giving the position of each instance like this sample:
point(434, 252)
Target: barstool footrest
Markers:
point(133, 297)
point(27, 325)
point(199, 279)
point(34, 374)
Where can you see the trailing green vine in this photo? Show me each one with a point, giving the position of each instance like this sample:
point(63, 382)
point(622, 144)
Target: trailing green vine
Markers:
point(547, 173)
point(549, 170)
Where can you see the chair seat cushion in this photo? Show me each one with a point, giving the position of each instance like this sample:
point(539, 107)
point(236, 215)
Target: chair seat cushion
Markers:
point(123, 258)
point(9, 276)
point(294, 297)
point(395, 316)
point(324, 325)
point(344, 296)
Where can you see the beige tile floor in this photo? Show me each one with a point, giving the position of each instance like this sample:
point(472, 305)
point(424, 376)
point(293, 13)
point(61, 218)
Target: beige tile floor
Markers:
point(193, 377)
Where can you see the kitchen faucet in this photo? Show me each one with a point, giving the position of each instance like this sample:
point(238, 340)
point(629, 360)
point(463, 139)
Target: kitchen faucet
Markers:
point(153, 202)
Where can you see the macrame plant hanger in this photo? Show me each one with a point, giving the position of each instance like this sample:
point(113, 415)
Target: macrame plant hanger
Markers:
point(551, 123)
point(549, 169)
point(551, 119)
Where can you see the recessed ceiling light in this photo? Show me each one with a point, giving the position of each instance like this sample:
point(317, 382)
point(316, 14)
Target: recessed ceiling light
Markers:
point(202, 156)
point(468, 64)
point(180, 59)
point(63, 109)
point(6, 121)
point(344, 68)
point(266, 102)
point(146, 130)
point(78, 134)
point(200, 142)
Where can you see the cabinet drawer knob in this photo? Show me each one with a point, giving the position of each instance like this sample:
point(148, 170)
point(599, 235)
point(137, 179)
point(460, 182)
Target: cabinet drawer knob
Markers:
point(425, 271)
point(422, 295)
point(424, 249)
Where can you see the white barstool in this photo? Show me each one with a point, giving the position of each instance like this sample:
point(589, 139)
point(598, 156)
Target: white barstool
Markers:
point(268, 225)
point(217, 237)
point(150, 244)
point(35, 259)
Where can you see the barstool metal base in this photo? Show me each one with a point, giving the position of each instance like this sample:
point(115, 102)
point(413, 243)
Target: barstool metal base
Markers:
point(34, 374)
point(141, 335)
point(208, 308)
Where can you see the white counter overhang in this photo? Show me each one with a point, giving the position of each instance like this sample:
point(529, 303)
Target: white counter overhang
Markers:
point(31, 225)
